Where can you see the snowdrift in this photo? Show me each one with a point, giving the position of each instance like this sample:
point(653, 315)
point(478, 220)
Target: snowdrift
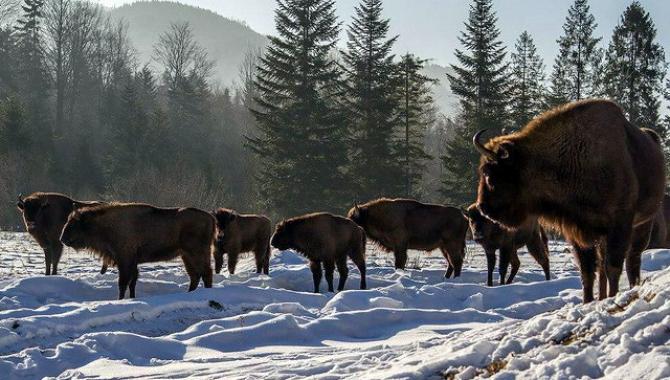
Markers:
point(409, 325)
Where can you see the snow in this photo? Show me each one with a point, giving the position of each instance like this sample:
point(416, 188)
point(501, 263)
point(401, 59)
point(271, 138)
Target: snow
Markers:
point(409, 324)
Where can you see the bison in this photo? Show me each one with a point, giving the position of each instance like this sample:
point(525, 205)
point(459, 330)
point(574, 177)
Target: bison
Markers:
point(242, 233)
point(660, 233)
point(401, 224)
point(44, 215)
point(324, 238)
point(585, 170)
point(128, 234)
point(491, 236)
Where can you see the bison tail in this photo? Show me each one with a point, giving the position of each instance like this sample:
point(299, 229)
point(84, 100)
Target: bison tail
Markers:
point(654, 136)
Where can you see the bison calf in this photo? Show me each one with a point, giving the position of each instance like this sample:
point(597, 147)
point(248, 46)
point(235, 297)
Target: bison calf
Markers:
point(128, 234)
point(491, 236)
point(324, 238)
point(401, 224)
point(242, 233)
point(44, 215)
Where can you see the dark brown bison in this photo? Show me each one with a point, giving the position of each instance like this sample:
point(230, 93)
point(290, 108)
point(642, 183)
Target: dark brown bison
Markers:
point(492, 237)
point(401, 224)
point(242, 233)
point(660, 233)
point(44, 215)
point(324, 238)
point(128, 234)
point(583, 169)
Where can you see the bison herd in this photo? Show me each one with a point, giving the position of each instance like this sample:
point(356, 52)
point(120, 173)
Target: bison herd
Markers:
point(580, 169)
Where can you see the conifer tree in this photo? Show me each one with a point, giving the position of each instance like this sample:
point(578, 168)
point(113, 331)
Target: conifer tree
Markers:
point(416, 114)
point(577, 66)
point(480, 82)
point(635, 68)
point(527, 91)
point(371, 103)
point(300, 143)
point(31, 74)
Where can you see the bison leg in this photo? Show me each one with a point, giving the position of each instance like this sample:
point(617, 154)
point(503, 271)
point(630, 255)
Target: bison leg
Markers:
point(193, 272)
point(125, 275)
point(618, 245)
point(329, 266)
point(315, 267)
point(56, 252)
point(358, 257)
point(514, 260)
point(587, 260)
point(343, 270)
point(400, 254)
point(47, 261)
point(490, 265)
point(133, 281)
point(232, 261)
point(538, 249)
point(602, 279)
point(218, 261)
point(641, 237)
point(259, 257)
point(453, 252)
point(505, 256)
point(266, 261)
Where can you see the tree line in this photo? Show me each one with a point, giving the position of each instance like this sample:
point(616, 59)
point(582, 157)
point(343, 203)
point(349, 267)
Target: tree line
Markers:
point(310, 126)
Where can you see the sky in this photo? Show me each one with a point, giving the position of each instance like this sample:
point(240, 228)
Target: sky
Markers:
point(430, 28)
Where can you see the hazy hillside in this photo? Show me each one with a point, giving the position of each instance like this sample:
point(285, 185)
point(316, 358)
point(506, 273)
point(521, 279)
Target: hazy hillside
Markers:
point(444, 99)
point(226, 40)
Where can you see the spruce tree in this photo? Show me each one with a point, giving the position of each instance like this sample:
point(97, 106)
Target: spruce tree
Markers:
point(416, 114)
point(480, 82)
point(635, 68)
point(527, 91)
point(300, 143)
point(577, 66)
point(371, 104)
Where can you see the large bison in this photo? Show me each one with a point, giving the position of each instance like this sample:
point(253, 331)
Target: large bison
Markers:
point(588, 172)
point(128, 234)
point(44, 215)
point(491, 236)
point(401, 224)
point(242, 233)
point(660, 233)
point(324, 238)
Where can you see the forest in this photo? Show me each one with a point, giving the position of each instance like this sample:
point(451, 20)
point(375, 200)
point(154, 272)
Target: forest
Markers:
point(308, 125)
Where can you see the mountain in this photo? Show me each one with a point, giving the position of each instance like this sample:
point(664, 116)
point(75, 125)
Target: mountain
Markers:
point(226, 40)
point(445, 100)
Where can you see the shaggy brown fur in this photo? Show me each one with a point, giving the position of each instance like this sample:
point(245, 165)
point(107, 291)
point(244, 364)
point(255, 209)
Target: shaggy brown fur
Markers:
point(44, 215)
point(583, 169)
point(324, 238)
point(491, 236)
point(401, 224)
point(242, 233)
point(129, 234)
point(660, 234)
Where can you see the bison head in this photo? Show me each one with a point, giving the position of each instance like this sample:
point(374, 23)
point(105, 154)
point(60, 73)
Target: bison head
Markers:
point(500, 193)
point(223, 218)
point(358, 215)
point(282, 237)
point(77, 229)
point(34, 211)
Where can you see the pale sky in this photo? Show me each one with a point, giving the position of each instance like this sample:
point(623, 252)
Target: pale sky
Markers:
point(429, 28)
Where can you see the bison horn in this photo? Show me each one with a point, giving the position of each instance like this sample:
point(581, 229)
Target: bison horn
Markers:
point(21, 198)
point(480, 147)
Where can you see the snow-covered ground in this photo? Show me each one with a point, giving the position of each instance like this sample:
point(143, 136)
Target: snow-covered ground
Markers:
point(410, 324)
